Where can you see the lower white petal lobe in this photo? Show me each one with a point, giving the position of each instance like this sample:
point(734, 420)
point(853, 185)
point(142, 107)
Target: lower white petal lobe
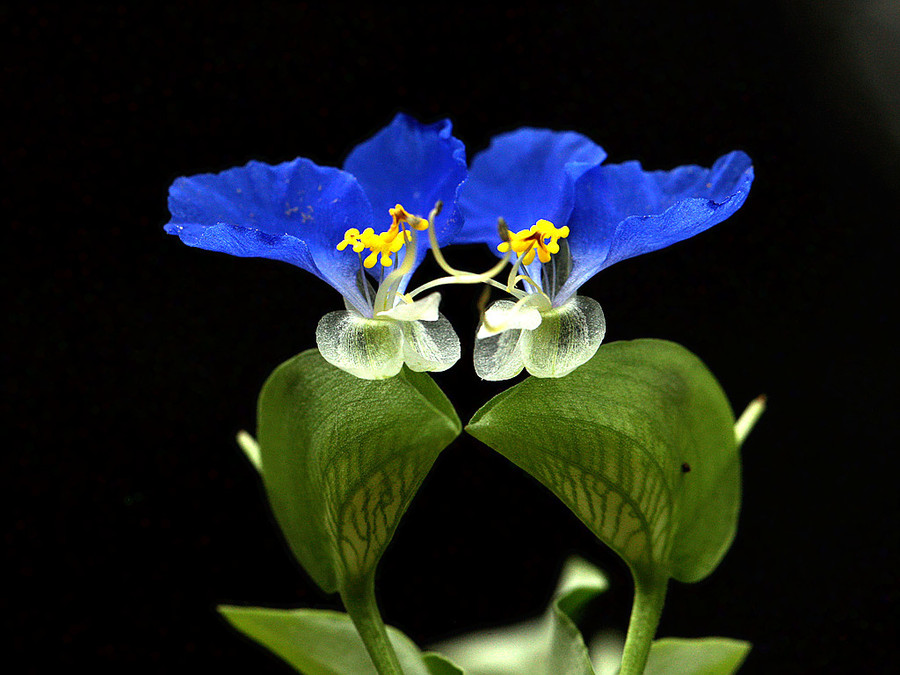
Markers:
point(497, 355)
point(371, 349)
point(569, 335)
point(429, 346)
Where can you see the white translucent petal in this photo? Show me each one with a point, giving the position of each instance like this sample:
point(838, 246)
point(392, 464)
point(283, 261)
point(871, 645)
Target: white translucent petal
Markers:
point(425, 309)
point(568, 336)
point(371, 349)
point(505, 315)
point(497, 356)
point(430, 346)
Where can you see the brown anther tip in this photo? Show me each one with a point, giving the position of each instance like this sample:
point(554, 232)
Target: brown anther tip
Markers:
point(502, 229)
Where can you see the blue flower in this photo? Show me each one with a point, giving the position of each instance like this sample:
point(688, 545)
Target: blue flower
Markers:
point(570, 216)
point(323, 219)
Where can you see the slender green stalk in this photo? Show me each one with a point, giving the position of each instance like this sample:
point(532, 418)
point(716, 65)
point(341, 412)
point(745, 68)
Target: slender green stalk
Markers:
point(363, 610)
point(649, 597)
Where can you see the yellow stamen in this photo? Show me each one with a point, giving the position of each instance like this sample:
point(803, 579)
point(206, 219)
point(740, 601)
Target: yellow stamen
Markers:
point(400, 215)
point(541, 239)
point(382, 245)
point(352, 238)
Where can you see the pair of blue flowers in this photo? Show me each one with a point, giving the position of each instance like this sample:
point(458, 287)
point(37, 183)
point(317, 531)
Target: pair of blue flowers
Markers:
point(565, 216)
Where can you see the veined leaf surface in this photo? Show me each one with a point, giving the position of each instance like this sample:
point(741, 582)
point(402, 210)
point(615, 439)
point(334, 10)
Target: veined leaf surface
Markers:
point(341, 459)
point(639, 443)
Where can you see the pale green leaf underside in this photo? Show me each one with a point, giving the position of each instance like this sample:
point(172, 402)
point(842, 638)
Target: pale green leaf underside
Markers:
point(343, 457)
point(703, 656)
point(549, 645)
point(639, 443)
point(674, 656)
point(322, 642)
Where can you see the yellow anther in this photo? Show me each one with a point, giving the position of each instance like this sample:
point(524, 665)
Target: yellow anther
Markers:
point(384, 244)
point(352, 237)
point(400, 215)
point(541, 239)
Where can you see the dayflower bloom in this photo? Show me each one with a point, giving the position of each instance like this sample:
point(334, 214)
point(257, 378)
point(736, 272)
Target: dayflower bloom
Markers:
point(570, 216)
point(334, 224)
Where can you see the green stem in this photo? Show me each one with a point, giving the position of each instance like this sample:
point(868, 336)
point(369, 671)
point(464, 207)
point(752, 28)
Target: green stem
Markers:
point(363, 610)
point(649, 597)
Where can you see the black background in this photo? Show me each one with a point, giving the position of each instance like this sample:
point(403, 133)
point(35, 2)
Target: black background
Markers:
point(132, 360)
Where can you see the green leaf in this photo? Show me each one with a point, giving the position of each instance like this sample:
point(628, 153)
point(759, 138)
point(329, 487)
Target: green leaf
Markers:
point(322, 642)
point(639, 443)
point(705, 656)
point(549, 645)
point(341, 459)
point(674, 656)
point(439, 665)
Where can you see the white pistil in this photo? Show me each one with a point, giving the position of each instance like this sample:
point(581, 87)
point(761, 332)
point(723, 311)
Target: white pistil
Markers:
point(514, 277)
point(458, 276)
point(387, 289)
point(364, 280)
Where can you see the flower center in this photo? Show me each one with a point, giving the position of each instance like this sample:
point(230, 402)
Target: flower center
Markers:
point(383, 244)
point(541, 239)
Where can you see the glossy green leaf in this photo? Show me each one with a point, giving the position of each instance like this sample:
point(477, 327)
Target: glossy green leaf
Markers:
point(549, 645)
point(639, 443)
point(705, 656)
point(341, 459)
point(322, 642)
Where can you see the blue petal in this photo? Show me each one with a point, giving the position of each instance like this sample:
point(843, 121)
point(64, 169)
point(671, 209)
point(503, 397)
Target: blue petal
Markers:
point(296, 212)
point(524, 175)
point(415, 165)
point(622, 211)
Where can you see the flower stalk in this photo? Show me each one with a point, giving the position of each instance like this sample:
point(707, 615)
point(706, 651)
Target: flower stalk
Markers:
point(649, 598)
point(359, 600)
